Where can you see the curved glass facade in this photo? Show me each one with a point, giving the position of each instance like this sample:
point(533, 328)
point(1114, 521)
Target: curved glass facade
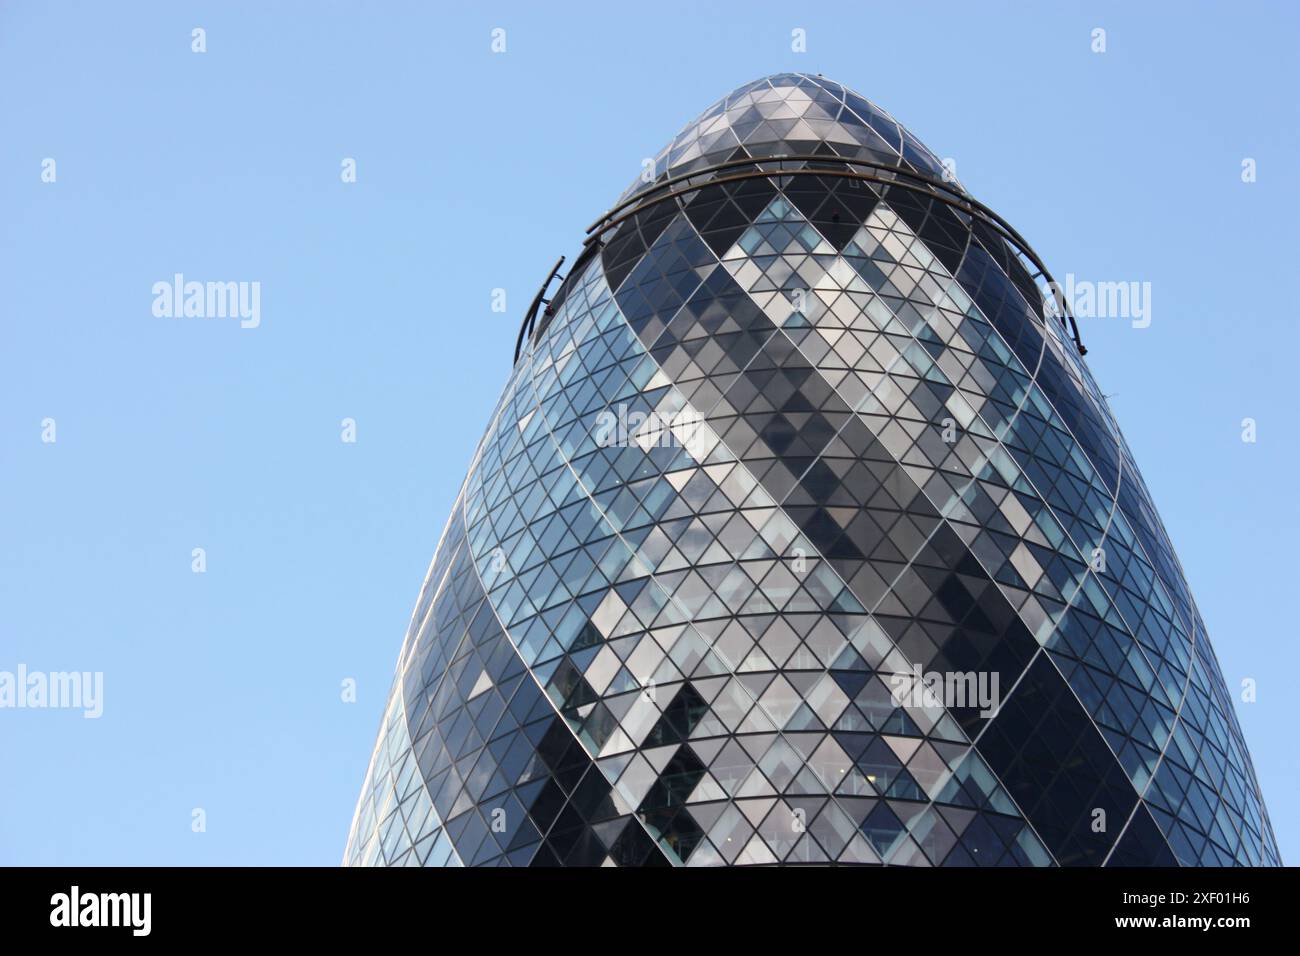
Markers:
point(802, 534)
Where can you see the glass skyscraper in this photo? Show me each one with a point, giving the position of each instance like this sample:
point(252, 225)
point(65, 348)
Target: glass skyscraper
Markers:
point(801, 534)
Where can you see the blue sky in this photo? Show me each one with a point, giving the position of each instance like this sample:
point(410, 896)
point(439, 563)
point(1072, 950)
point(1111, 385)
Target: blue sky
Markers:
point(474, 172)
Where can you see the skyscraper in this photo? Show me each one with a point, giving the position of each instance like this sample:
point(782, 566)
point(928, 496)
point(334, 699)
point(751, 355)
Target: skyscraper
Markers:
point(802, 534)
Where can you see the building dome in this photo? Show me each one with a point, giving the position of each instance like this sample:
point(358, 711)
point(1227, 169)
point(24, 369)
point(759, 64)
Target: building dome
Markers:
point(790, 114)
point(801, 534)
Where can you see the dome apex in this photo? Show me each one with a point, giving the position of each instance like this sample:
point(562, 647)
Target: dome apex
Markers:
point(790, 114)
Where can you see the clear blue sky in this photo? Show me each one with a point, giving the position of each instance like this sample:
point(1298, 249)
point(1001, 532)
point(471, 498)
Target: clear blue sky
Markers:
point(475, 171)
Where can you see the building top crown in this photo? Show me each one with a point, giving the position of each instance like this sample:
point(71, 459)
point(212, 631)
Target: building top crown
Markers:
point(790, 114)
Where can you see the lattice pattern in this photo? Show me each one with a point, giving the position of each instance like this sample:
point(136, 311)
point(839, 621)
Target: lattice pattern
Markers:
point(845, 446)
